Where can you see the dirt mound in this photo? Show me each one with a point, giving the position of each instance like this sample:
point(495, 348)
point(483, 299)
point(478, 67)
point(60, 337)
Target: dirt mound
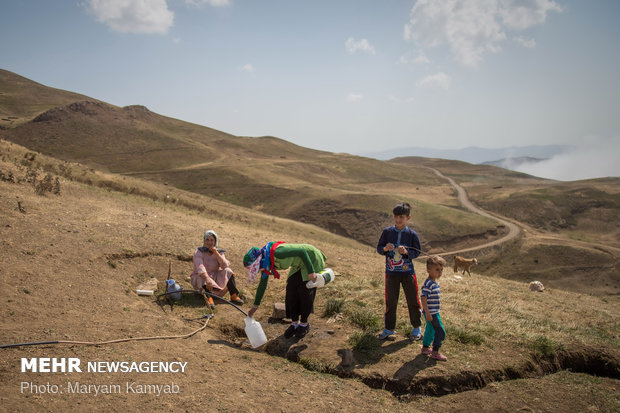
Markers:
point(61, 113)
point(138, 112)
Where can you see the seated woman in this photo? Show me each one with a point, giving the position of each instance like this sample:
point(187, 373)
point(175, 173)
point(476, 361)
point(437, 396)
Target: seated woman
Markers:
point(212, 270)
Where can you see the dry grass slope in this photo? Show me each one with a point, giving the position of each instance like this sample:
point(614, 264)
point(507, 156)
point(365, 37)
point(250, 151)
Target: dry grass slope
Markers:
point(77, 256)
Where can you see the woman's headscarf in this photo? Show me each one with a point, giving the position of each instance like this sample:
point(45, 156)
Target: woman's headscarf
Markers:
point(207, 234)
point(263, 259)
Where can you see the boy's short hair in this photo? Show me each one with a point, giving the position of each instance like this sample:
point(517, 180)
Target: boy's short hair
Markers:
point(435, 260)
point(402, 208)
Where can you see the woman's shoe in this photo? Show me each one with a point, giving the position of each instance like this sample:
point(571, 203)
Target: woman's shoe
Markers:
point(290, 331)
point(302, 331)
point(234, 298)
point(426, 351)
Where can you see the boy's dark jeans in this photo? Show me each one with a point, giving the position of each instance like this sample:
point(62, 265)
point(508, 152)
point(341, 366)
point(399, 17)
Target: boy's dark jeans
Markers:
point(392, 291)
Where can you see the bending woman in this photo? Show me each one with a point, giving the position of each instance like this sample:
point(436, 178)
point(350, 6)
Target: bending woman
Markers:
point(304, 261)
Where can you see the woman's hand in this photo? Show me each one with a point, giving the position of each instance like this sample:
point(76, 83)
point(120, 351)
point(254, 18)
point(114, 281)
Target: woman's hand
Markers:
point(252, 311)
point(429, 317)
point(312, 276)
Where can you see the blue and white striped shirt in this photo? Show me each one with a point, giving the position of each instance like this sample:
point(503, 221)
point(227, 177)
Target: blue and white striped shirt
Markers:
point(430, 289)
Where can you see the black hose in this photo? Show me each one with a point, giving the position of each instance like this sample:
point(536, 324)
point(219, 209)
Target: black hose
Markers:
point(32, 343)
point(178, 292)
point(207, 292)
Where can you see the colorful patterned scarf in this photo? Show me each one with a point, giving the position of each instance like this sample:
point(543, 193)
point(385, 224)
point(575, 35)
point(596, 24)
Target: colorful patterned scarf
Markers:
point(264, 261)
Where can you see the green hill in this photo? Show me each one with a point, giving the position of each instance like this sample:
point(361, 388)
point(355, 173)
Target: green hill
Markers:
point(349, 195)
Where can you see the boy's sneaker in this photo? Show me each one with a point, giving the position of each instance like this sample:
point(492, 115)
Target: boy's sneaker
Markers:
point(385, 334)
point(290, 331)
point(416, 334)
point(438, 356)
point(301, 331)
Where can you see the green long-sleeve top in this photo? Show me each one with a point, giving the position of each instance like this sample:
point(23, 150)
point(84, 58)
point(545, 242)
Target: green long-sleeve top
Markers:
point(298, 257)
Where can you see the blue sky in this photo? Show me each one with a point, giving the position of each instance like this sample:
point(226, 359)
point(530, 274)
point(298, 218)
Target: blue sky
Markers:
point(343, 76)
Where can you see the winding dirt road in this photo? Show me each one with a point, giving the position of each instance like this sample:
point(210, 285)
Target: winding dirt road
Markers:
point(513, 229)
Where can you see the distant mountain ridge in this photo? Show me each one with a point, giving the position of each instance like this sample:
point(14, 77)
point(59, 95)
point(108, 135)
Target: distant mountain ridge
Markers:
point(474, 154)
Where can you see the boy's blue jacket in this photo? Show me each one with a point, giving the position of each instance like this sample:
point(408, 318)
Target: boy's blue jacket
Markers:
point(395, 263)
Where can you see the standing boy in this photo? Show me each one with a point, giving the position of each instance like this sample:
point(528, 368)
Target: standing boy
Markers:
point(434, 333)
point(400, 245)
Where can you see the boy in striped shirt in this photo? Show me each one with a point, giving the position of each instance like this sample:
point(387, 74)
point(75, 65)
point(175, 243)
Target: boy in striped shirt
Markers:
point(434, 333)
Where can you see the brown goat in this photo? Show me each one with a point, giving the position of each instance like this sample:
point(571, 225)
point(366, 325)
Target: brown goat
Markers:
point(464, 263)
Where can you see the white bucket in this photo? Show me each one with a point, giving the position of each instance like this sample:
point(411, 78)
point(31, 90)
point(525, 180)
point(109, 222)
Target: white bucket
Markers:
point(322, 278)
point(255, 332)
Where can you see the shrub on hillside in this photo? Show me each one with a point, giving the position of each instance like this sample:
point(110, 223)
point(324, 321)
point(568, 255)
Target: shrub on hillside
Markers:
point(365, 342)
point(464, 336)
point(333, 306)
point(364, 318)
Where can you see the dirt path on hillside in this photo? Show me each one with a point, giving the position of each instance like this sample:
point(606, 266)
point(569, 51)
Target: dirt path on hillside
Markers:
point(513, 229)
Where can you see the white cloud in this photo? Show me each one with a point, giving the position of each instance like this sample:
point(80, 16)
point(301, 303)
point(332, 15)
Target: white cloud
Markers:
point(133, 16)
point(438, 80)
point(396, 99)
point(362, 45)
point(420, 58)
point(214, 3)
point(592, 158)
point(529, 43)
point(354, 97)
point(472, 28)
point(519, 14)
point(247, 68)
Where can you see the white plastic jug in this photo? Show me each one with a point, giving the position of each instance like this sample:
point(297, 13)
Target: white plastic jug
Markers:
point(322, 278)
point(174, 288)
point(255, 332)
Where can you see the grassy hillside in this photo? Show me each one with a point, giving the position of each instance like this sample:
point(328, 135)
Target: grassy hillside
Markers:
point(72, 258)
point(22, 99)
point(348, 195)
point(572, 229)
point(587, 210)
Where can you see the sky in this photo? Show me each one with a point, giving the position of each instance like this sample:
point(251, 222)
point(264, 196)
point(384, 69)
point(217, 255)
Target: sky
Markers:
point(353, 76)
